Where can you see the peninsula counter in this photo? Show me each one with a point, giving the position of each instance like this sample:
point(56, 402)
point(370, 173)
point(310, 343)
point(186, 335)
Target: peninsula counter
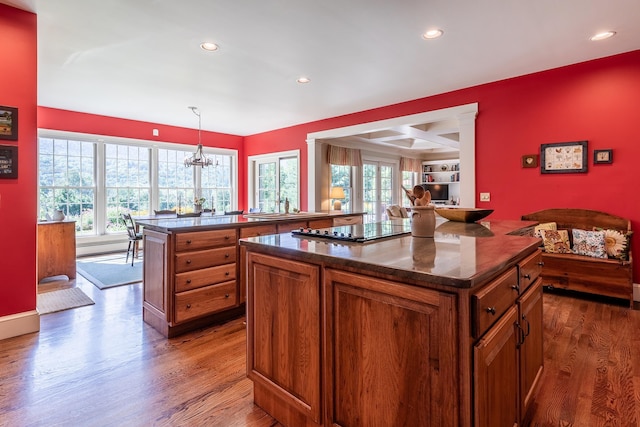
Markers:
point(398, 331)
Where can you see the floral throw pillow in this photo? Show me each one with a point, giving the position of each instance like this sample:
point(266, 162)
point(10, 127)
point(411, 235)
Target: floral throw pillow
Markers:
point(556, 241)
point(616, 243)
point(544, 226)
point(589, 243)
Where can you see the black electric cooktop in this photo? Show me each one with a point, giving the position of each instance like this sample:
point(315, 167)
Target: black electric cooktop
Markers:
point(358, 232)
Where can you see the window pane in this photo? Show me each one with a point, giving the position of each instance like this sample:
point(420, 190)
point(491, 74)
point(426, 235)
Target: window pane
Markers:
point(65, 175)
point(125, 191)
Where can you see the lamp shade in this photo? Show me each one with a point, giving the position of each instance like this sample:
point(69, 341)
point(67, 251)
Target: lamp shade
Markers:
point(337, 193)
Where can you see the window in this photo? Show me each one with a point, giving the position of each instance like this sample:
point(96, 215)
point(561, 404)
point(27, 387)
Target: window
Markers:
point(93, 182)
point(409, 180)
point(66, 174)
point(377, 178)
point(341, 177)
point(275, 179)
point(217, 185)
point(127, 185)
point(176, 188)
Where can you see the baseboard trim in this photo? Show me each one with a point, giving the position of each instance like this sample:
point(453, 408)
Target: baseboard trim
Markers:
point(19, 324)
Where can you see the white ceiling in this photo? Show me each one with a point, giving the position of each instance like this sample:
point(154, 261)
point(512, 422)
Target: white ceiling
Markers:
point(140, 59)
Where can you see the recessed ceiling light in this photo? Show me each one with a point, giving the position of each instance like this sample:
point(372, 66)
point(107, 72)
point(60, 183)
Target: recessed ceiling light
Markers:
point(433, 34)
point(602, 36)
point(303, 80)
point(209, 46)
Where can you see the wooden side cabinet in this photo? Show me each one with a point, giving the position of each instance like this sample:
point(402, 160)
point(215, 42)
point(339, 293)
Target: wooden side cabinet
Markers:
point(390, 353)
point(283, 338)
point(56, 249)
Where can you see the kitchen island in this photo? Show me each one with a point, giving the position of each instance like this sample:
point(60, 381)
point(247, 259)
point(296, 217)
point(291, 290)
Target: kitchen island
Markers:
point(191, 269)
point(399, 330)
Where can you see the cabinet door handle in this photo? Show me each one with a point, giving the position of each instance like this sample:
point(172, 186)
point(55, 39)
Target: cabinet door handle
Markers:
point(491, 310)
point(521, 335)
point(526, 334)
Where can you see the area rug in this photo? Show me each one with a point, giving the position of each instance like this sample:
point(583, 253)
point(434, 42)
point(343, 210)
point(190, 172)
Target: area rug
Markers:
point(64, 299)
point(109, 271)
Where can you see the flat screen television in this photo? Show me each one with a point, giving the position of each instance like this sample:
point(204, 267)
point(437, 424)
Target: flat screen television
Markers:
point(439, 192)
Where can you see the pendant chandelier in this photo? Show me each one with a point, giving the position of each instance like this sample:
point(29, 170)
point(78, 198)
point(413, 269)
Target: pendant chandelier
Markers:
point(198, 158)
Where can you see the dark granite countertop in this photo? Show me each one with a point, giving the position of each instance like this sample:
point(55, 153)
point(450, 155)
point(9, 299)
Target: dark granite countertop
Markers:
point(172, 223)
point(460, 255)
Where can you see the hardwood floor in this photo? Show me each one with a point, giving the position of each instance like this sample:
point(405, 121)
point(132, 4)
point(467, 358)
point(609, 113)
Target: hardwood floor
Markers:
point(101, 365)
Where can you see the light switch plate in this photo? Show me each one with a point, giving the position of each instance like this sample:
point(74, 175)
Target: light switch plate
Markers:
point(485, 197)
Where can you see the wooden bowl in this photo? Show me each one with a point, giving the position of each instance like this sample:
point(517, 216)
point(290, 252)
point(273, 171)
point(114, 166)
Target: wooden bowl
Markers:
point(463, 214)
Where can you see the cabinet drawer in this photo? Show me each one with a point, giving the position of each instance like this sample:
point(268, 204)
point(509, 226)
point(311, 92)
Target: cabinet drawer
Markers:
point(530, 269)
point(321, 223)
point(285, 227)
point(260, 230)
point(203, 277)
point(204, 301)
point(493, 300)
point(196, 260)
point(205, 239)
point(347, 220)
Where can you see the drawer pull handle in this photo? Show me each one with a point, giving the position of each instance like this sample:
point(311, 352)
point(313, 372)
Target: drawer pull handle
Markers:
point(515, 288)
point(226, 273)
point(226, 255)
point(189, 242)
point(491, 310)
point(541, 263)
point(188, 280)
point(527, 276)
point(188, 305)
point(188, 261)
point(226, 295)
point(227, 237)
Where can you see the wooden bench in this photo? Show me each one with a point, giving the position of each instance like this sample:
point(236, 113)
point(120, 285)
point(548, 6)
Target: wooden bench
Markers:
point(607, 277)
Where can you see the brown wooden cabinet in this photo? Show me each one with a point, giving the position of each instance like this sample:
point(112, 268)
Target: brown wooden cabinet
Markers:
point(495, 384)
point(390, 353)
point(508, 359)
point(56, 249)
point(283, 339)
point(189, 277)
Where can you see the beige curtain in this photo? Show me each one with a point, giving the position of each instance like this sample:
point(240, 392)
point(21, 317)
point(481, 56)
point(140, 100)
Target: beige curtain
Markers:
point(344, 156)
point(408, 164)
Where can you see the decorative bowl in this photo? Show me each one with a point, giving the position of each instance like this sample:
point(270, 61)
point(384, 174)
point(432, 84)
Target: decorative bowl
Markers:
point(463, 214)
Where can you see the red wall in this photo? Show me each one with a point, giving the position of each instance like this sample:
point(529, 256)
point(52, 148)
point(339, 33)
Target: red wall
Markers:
point(18, 199)
point(598, 101)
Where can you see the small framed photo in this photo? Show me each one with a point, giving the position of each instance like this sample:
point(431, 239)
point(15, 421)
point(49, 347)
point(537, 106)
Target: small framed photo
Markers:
point(602, 156)
point(8, 123)
point(563, 157)
point(8, 161)
point(530, 161)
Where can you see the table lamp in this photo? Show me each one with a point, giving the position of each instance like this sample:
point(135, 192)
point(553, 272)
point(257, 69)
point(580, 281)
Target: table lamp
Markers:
point(337, 193)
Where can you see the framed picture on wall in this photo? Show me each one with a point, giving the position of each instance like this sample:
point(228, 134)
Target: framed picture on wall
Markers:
point(530, 161)
point(8, 161)
point(563, 157)
point(602, 156)
point(8, 123)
